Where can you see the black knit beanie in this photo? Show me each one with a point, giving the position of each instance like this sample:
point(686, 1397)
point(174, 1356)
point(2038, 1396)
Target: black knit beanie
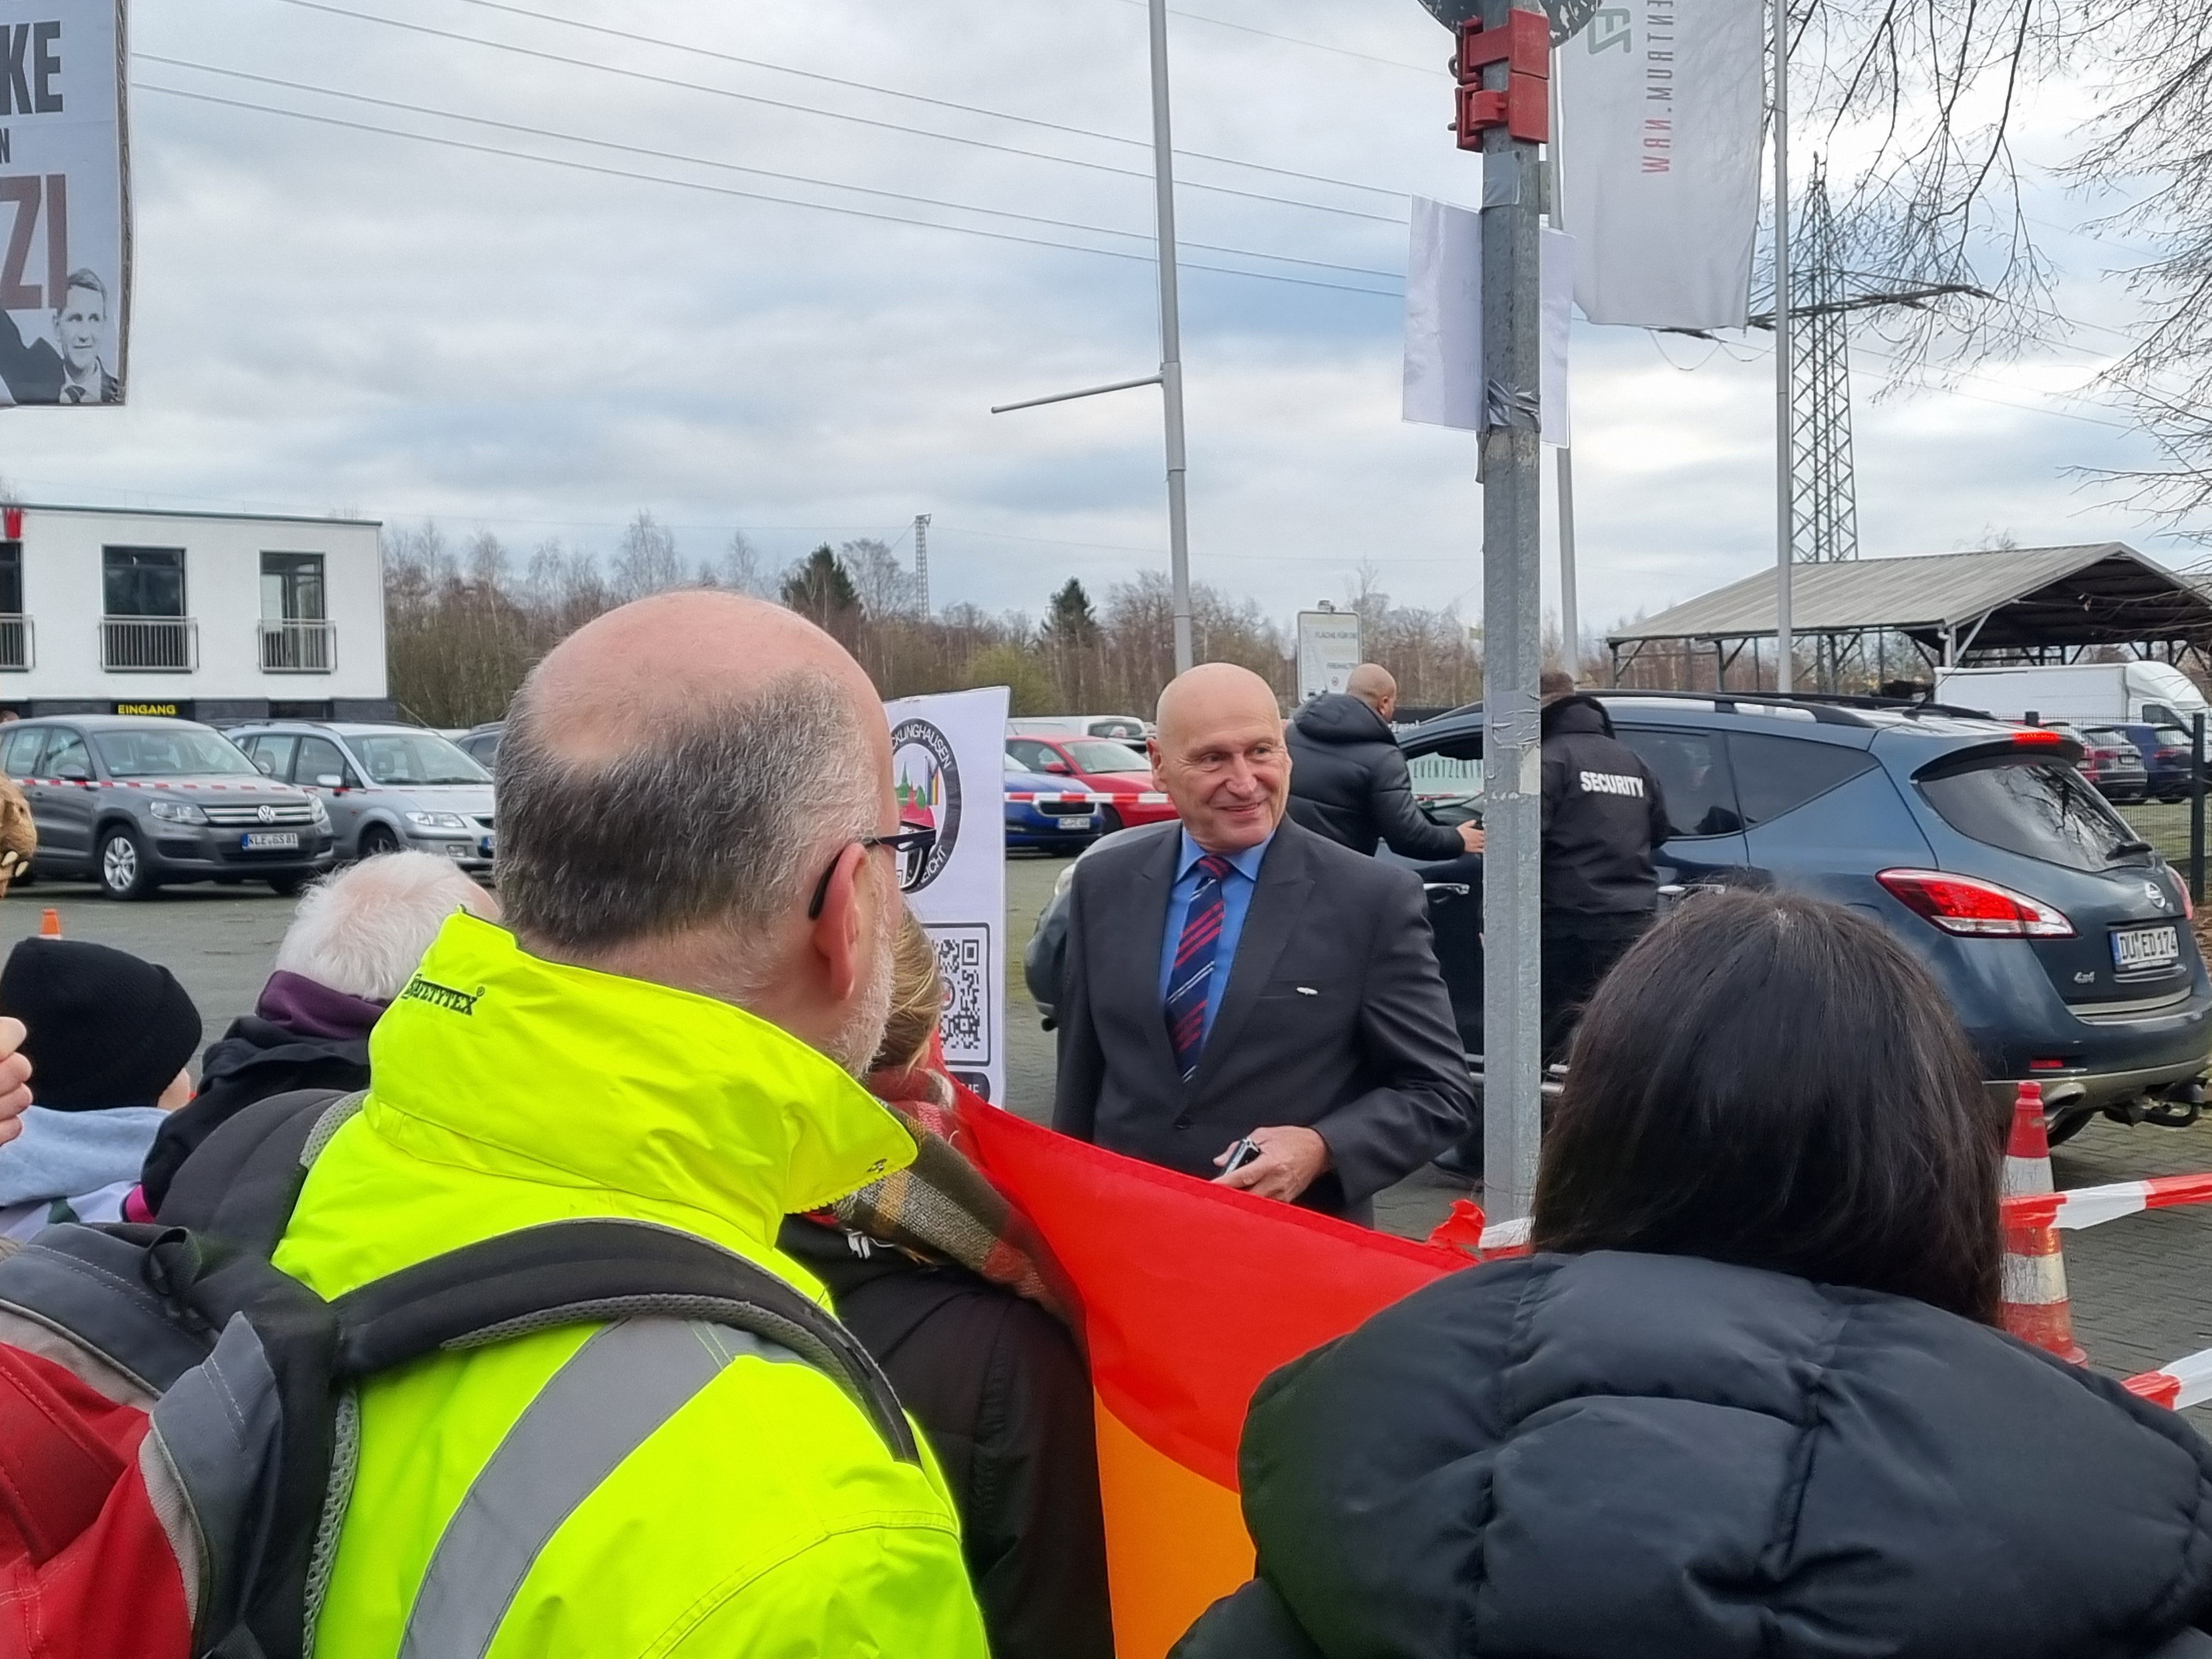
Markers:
point(104, 1028)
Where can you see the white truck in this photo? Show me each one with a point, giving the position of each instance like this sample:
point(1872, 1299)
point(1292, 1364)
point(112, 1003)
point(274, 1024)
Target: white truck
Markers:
point(2148, 693)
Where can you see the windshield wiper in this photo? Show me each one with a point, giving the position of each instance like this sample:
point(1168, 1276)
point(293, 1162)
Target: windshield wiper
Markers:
point(2128, 849)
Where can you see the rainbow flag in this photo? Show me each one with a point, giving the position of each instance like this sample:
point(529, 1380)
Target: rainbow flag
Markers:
point(1191, 1295)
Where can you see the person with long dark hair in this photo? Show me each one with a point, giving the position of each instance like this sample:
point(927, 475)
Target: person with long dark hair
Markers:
point(1746, 1398)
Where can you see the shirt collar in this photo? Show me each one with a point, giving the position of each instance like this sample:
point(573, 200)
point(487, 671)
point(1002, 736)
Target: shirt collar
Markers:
point(1246, 863)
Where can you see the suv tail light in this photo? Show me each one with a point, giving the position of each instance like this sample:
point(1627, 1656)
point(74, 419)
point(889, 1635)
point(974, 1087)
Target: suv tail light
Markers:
point(1972, 908)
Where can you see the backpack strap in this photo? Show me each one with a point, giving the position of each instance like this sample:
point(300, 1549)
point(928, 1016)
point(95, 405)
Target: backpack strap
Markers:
point(242, 1182)
point(565, 1272)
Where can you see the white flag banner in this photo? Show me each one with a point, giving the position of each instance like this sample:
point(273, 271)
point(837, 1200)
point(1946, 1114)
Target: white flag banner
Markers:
point(64, 204)
point(1444, 317)
point(1555, 255)
point(1443, 321)
point(1661, 103)
point(948, 766)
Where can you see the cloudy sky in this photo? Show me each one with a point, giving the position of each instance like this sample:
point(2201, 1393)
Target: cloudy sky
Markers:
point(333, 316)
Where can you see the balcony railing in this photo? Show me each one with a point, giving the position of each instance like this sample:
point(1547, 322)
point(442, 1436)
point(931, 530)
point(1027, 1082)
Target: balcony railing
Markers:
point(153, 645)
point(295, 647)
point(15, 644)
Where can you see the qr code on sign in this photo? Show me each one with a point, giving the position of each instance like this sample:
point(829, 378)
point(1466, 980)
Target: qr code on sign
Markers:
point(963, 957)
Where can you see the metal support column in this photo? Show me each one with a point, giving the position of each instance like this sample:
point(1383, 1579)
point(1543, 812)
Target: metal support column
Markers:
point(1785, 644)
point(1571, 621)
point(1512, 616)
point(1170, 338)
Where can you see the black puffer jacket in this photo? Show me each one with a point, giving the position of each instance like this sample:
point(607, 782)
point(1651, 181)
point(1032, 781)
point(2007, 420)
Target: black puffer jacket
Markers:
point(1603, 814)
point(1348, 782)
point(1611, 1457)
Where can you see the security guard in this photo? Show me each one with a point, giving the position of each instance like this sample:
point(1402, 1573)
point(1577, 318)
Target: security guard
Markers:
point(1603, 815)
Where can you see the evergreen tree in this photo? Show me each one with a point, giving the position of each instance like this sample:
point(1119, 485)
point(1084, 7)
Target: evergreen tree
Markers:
point(821, 589)
point(1070, 621)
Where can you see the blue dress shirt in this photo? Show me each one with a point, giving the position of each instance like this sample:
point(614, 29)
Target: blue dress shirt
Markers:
point(1235, 900)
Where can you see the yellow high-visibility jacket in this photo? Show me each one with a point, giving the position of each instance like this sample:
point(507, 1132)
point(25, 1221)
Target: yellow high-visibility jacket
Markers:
point(600, 1491)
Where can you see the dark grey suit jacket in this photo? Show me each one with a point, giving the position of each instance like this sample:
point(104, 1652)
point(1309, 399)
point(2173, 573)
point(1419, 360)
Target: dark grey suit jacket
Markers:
point(1334, 1017)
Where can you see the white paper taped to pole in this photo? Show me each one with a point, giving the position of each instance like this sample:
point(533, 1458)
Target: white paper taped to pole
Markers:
point(1444, 320)
point(1662, 105)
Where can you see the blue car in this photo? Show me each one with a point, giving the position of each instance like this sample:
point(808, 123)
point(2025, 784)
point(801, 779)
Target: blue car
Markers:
point(2062, 938)
point(1047, 826)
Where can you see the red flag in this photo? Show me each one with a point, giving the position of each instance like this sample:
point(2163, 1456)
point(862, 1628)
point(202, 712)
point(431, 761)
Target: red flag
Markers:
point(1192, 1294)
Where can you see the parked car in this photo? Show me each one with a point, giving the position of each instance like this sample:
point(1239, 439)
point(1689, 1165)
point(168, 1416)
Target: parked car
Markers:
point(481, 744)
point(1046, 826)
point(2061, 937)
point(385, 787)
point(1124, 728)
point(137, 804)
point(2166, 751)
point(2112, 763)
point(1100, 764)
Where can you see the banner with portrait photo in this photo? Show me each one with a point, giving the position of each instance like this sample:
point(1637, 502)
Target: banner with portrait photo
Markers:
point(64, 204)
point(948, 766)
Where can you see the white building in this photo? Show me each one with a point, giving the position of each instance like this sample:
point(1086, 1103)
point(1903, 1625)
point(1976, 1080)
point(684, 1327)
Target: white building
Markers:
point(218, 616)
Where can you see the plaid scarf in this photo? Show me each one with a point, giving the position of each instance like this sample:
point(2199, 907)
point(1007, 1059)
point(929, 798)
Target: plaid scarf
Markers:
point(940, 1208)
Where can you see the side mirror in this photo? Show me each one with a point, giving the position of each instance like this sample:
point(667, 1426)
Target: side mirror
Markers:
point(266, 766)
point(328, 780)
point(74, 773)
point(1057, 767)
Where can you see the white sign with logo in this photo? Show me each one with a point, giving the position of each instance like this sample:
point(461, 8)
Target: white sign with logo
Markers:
point(948, 761)
point(1329, 650)
point(1661, 104)
point(64, 204)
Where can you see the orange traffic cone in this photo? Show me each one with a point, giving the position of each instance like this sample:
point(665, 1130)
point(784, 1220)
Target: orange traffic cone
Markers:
point(50, 923)
point(2036, 1309)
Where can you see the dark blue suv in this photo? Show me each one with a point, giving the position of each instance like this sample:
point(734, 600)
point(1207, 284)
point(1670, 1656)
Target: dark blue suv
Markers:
point(2063, 939)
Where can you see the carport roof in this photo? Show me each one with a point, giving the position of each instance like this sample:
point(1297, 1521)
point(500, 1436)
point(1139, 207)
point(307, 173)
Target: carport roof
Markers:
point(2100, 594)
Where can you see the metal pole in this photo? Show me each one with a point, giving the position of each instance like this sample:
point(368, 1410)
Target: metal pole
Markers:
point(922, 557)
point(1783, 551)
point(2197, 809)
point(1512, 616)
point(1170, 338)
point(1570, 627)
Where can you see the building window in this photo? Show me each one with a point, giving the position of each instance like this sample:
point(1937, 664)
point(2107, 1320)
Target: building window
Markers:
point(295, 637)
point(144, 627)
point(14, 627)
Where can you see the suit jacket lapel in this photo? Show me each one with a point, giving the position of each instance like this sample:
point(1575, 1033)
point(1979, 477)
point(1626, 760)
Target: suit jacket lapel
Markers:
point(1278, 899)
point(1136, 949)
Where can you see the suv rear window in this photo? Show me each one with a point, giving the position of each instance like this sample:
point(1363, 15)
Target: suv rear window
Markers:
point(2039, 809)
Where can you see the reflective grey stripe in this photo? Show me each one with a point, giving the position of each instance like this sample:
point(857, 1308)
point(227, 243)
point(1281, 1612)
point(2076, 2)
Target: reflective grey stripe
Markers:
point(605, 1402)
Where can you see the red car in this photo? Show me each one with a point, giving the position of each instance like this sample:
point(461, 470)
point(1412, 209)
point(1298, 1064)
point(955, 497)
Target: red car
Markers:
point(1103, 766)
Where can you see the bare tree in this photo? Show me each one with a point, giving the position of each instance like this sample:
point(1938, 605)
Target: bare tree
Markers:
point(886, 587)
point(740, 567)
point(646, 562)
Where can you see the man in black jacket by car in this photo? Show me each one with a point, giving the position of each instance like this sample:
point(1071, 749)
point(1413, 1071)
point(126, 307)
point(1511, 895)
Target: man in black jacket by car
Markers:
point(1348, 778)
point(1603, 815)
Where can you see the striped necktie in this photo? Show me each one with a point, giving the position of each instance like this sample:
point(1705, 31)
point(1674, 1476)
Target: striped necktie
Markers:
point(1190, 981)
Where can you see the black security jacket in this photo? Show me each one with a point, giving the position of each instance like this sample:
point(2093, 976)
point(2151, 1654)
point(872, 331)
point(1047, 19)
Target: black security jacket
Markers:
point(1603, 816)
point(1348, 781)
point(1616, 1455)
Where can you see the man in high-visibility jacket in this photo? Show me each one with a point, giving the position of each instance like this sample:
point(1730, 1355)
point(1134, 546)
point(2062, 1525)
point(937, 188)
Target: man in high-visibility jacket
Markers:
point(693, 790)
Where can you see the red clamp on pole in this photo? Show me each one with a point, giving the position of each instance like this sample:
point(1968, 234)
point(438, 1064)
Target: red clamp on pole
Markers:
point(11, 524)
point(1523, 106)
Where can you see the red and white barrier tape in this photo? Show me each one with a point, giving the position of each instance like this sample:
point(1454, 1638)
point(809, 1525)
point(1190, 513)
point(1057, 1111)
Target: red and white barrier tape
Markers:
point(2183, 1382)
point(1096, 798)
point(2087, 1206)
point(269, 785)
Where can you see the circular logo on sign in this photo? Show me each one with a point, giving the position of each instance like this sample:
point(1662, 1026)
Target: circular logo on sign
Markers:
point(927, 781)
point(267, 814)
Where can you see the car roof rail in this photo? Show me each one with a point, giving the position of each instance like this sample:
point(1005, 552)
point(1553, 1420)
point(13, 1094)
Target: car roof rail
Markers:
point(1826, 707)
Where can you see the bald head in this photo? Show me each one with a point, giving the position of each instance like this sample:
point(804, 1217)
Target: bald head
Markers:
point(675, 779)
point(1219, 754)
point(1372, 684)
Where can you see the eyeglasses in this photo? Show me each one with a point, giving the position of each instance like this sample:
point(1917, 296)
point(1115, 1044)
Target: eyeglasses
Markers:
point(920, 840)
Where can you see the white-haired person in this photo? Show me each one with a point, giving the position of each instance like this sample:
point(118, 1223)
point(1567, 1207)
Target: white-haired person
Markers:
point(353, 943)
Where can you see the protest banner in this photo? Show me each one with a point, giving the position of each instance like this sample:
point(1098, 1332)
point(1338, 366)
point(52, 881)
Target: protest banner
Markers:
point(1191, 1294)
point(64, 204)
point(948, 766)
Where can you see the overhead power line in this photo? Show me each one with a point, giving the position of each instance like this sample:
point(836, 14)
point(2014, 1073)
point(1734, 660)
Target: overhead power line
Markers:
point(744, 195)
point(720, 56)
point(826, 115)
point(737, 166)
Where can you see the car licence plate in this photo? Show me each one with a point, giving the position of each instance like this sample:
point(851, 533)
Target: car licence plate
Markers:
point(269, 840)
point(2135, 949)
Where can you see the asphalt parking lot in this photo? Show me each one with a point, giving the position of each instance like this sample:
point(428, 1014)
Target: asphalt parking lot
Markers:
point(2141, 1286)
